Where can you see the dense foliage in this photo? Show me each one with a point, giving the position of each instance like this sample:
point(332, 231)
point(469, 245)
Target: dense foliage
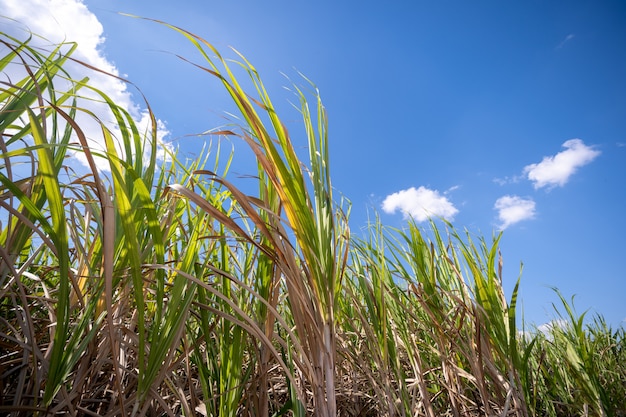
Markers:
point(160, 288)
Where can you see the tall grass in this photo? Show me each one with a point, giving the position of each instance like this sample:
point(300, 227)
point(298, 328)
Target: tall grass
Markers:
point(160, 288)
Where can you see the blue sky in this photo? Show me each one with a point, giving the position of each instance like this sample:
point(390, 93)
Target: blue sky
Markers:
point(495, 115)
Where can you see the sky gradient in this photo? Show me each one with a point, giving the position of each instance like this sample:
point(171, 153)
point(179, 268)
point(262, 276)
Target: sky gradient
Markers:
point(494, 115)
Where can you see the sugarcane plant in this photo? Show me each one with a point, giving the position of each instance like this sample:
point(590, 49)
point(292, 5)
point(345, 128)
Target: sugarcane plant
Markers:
point(136, 285)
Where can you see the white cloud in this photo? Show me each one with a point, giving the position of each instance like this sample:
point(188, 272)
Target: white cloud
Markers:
point(420, 204)
point(508, 180)
point(556, 170)
point(60, 21)
point(513, 209)
point(549, 327)
point(567, 39)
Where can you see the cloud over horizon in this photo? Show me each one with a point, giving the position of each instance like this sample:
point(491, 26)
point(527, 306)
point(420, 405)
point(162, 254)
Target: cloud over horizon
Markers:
point(513, 209)
point(420, 204)
point(556, 170)
point(71, 21)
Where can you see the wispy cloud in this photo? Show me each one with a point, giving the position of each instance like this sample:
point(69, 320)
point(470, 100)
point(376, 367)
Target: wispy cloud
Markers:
point(513, 209)
point(71, 21)
point(565, 40)
point(421, 204)
point(508, 180)
point(556, 170)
